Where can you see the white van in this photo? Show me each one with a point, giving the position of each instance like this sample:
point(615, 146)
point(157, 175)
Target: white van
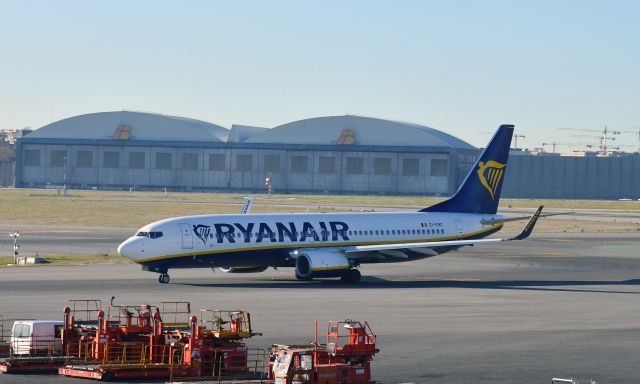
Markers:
point(36, 337)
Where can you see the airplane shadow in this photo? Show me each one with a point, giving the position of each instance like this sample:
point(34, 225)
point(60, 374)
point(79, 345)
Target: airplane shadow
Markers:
point(370, 282)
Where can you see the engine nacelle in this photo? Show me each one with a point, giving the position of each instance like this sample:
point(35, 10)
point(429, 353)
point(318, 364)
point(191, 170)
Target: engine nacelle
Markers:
point(243, 269)
point(319, 263)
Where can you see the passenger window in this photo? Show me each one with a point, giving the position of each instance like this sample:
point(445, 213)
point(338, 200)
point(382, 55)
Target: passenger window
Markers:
point(387, 232)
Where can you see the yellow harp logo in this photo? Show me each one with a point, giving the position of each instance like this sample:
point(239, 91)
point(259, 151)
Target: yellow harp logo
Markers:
point(490, 174)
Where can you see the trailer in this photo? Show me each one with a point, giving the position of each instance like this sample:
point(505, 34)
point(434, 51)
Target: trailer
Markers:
point(133, 342)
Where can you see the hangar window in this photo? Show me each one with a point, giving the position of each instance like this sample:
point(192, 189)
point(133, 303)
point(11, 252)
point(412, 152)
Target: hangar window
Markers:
point(136, 160)
point(217, 162)
point(410, 167)
point(355, 165)
point(244, 163)
point(327, 164)
point(32, 157)
point(163, 160)
point(84, 159)
point(299, 164)
point(189, 161)
point(272, 163)
point(439, 167)
point(382, 166)
point(111, 159)
point(58, 158)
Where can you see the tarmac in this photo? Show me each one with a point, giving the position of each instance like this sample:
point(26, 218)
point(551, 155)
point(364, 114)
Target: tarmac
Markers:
point(556, 305)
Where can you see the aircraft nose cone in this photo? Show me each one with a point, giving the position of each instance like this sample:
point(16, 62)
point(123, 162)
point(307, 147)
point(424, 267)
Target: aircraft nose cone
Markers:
point(126, 249)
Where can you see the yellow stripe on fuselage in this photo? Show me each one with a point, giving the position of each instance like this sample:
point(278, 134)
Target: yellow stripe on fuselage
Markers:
point(317, 245)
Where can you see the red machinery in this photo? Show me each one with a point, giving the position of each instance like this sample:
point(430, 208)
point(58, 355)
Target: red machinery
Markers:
point(5, 335)
point(136, 345)
point(345, 358)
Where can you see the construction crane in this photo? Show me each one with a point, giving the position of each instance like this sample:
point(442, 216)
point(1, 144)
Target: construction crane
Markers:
point(515, 138)
point(555, 144)
point(637, 132)
point(604, 137)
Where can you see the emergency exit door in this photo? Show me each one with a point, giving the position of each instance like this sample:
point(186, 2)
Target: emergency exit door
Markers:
point(187, 236)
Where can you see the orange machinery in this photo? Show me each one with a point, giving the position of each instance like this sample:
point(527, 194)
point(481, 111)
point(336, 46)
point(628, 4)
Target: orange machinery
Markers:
point(345, 358)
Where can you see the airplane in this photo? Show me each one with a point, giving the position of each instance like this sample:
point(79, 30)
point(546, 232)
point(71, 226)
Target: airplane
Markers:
point(333, 245)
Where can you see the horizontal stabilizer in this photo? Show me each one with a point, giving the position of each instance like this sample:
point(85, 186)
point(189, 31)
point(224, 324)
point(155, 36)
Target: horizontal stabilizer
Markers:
point(519, 218)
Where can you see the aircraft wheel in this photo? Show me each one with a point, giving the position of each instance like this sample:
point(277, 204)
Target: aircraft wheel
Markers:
point(303, 278)
point(351, 276)
point(164, 278)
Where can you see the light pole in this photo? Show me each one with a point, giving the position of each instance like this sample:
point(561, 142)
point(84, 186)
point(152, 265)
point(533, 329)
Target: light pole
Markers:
point(15, 236)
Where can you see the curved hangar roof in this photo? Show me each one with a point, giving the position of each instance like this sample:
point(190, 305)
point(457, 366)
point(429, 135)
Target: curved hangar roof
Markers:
point(134, 126)
point(357, 130)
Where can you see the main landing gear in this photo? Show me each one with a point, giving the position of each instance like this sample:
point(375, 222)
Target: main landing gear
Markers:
point(351, 276)
point(164, 278)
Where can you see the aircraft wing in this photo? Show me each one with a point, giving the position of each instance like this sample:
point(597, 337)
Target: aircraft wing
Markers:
point(394, 251)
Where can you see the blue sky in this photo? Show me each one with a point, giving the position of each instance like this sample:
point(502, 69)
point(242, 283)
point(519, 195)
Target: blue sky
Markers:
point(460, 66)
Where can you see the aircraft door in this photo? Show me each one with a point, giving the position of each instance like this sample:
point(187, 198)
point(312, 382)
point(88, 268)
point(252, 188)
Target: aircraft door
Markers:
point(187, 236)
point(459, 228)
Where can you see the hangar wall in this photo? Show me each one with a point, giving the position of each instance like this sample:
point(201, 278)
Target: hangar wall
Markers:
point(240, 167)
point(556, 177)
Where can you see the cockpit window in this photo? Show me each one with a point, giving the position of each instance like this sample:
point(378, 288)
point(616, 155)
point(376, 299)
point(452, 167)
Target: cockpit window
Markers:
point(153, 235)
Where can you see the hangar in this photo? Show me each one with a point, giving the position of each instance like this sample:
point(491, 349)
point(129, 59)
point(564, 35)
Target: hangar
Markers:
point(332, 154)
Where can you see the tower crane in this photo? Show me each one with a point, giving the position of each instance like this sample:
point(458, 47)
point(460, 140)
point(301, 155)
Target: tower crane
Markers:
point(605, 136)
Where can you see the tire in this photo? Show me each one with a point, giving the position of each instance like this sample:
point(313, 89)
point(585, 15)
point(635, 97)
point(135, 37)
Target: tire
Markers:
point(351, 276)
point(164, 278)
point(303, 278)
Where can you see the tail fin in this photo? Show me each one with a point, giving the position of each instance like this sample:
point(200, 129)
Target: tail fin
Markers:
point(480, 190)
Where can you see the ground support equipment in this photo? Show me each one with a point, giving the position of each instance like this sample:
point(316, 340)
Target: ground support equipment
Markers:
point(137, 346)
point(345, 358)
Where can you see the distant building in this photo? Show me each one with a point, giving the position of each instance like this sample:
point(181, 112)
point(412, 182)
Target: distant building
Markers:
point(333, 154)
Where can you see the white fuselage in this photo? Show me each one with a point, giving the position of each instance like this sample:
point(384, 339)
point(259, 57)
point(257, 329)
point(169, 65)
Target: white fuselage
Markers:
point(267, 239)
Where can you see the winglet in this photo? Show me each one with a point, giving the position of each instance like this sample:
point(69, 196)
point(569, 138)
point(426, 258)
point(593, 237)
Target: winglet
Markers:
point(529, 227)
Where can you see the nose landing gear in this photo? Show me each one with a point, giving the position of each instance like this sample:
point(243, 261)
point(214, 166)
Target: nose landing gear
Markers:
point(164, 278)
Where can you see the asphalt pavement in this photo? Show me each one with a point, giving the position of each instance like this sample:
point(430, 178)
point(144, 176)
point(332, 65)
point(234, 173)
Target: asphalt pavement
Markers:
point(556, 305)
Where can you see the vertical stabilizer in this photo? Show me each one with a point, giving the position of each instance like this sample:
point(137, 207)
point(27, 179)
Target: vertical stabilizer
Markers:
point(480, 190)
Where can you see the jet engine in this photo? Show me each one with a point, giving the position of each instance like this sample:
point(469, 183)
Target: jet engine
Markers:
point(243, 269)
point(319, 263)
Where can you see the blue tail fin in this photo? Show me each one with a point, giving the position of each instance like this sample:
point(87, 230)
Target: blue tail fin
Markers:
point(480, 190)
